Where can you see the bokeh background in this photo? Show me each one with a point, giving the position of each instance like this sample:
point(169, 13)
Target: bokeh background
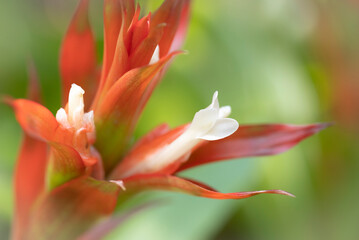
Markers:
point(286, 61)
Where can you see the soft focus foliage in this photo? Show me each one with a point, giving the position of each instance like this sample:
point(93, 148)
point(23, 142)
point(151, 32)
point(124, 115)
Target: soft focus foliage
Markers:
point(277, 61)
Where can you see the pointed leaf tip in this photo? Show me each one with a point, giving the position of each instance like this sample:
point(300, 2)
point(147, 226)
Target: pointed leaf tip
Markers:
point(176, 184)
point(78, 53)
point(35, 119)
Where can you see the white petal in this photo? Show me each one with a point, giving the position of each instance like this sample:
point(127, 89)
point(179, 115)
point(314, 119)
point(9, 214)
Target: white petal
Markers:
point(225, 111)
point(203, 121)
point(61, 117)
point(223, 128)
point(156, 55)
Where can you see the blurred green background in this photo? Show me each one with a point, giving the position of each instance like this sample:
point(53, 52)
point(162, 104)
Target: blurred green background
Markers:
point(285, 61)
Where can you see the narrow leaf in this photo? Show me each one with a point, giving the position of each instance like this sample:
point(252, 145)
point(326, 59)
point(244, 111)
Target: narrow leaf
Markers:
point(78, 54)
point(177, 184)
point(117, 15)
point(29, 182)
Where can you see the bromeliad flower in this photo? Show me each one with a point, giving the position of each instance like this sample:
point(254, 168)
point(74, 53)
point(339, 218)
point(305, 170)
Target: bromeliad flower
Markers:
point(74, 167)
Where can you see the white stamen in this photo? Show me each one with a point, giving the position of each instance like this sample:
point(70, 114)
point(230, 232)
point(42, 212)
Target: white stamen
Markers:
point(61, 117)
point(208, 124)
point(76, 106)
point(156, 55)
point(119, 183)
point(75, 116)
point(88, 120)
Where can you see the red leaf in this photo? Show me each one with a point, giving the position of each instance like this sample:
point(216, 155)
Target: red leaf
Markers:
point(128, 90)
point(29, 182)
point(118, 67)
point(35, 119)
point(140, 31)
point(78, 55)
point(175, 14)
point(117, 14)
point(252, 140)
point(143, 53)
point(72, 208)
point(176, 184)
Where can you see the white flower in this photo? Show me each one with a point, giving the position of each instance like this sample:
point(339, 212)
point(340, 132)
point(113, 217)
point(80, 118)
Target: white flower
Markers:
point(208, 124)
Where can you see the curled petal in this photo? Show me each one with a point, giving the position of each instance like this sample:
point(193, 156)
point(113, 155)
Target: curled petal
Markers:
point(177, 184)
point(253, 140)
point(223, 128)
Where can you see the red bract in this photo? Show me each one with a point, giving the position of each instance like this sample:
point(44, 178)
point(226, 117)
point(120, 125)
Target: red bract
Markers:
point(74, 167)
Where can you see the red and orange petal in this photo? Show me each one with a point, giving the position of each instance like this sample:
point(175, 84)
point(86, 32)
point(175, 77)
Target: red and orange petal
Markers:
point(35, 119)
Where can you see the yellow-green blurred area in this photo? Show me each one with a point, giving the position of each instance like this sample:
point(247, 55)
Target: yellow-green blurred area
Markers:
point(273, 61)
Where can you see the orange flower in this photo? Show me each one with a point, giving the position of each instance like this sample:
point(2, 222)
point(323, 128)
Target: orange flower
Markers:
point(74, 167)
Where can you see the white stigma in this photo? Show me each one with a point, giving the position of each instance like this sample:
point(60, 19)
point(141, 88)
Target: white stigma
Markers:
point(75, 116)
point(76, 106)
point(208, 124)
